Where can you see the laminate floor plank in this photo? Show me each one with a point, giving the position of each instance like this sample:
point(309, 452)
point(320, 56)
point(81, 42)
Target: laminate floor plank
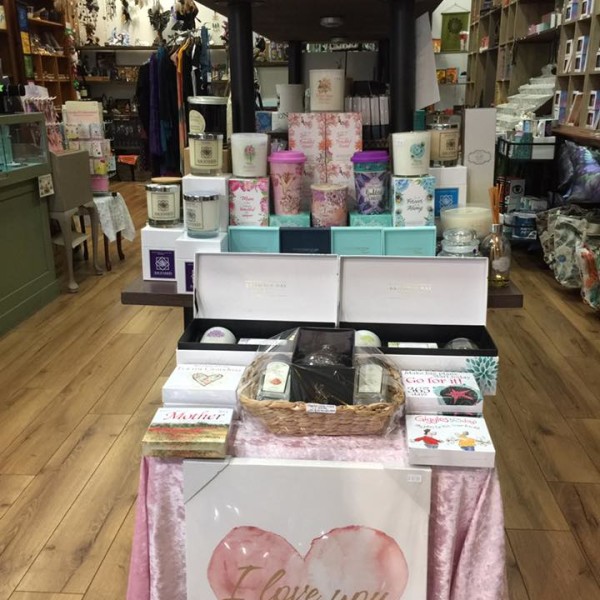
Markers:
point(70, 558)
point(528, 501)
point(30, 521)
point(31, 449)
point(128, 389)
point(553, 566)
point(580, 504)
point(516, 585)
point(110, 581)
point(588, 433)
point(44, 596)
point(11, 487)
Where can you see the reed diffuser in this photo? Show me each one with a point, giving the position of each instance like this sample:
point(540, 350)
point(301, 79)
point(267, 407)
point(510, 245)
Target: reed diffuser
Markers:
point(495, 246)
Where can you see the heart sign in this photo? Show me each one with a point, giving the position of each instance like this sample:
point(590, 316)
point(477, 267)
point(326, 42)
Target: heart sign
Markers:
point(348, 563)
point(203, 379)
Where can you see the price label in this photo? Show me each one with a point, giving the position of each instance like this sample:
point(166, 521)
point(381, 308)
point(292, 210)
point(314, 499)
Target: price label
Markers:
point(329, 409)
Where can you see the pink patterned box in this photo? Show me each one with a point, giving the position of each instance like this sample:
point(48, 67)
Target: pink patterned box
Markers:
point(343, 133)
point(307, 134)
point(249, 201)
point(343, 172)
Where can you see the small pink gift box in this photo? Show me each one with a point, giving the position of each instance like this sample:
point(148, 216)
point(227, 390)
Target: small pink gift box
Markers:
point(249, 201)
point(307, 134)
point(343, 134)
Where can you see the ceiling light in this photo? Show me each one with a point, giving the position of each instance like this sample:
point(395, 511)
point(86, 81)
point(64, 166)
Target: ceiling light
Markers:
point(331, 22)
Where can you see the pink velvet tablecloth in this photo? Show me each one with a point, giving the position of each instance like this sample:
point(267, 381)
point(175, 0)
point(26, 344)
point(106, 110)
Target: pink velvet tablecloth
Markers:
point(466, 528)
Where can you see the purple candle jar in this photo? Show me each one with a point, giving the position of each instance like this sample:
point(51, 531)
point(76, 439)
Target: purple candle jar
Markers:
point(372, 181)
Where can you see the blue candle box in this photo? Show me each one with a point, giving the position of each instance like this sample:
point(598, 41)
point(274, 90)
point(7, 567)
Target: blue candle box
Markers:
point(253, 239)
point(300, 220)
point(305, 240)
point(355, 241)
point(412, 201)
point(264, 121)
point(359, 220)
point(409, 241)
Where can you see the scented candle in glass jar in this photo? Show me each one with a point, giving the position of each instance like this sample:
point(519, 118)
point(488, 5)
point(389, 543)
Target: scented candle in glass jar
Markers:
point(201, 215)
point(163, 202)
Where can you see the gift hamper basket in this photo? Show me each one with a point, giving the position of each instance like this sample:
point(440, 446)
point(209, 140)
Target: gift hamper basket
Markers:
point(313, 381)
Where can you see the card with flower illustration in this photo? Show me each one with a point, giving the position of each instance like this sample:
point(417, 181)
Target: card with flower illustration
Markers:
point(413, 201)
point(449, 441)
point(249, 201)
point(431, 392)
point(306, 133)
point(343, 135)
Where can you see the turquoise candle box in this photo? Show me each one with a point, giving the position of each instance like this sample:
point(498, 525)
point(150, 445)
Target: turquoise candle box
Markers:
point(409, 241)
point(253, 239)
point(356, 241)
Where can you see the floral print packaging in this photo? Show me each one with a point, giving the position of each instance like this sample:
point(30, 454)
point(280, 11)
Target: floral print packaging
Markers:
point(588, 261)
point(568, 234)
point(412, 201)
point(249, 201)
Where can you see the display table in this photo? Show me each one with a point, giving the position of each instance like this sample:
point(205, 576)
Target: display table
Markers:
point(164, 293)
point(466, 530)
point(115, 221)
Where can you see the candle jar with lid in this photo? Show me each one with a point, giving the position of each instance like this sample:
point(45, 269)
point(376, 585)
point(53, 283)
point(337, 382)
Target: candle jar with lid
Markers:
point(201, 215)
point(163, 201)
point(444, 141)
point(206, 153)
point(460, 243)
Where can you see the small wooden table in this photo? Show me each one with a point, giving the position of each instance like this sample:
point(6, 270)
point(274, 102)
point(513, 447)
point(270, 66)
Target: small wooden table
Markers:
point(164, 293)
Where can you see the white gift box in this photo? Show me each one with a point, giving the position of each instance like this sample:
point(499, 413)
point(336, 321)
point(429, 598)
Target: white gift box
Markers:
point(412, 200)
point(449, 441)
point(158, 253)
point(204, 385)
point(257, 296)
point(216, 184)
point(185, 250)
point(450, 187)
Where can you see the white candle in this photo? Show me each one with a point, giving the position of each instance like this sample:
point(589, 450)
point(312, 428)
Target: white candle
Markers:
point(201, 215)
point(327, 90)
point(478, 218)
point(249, 154)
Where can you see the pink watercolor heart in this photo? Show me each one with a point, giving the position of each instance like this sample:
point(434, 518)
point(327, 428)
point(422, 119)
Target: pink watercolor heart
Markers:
point(349, 563)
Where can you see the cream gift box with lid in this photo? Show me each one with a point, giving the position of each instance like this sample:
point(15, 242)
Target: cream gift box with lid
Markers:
point(257, 296)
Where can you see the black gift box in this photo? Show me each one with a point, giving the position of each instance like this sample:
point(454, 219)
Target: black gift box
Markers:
point(304, 240)
point(323, 384)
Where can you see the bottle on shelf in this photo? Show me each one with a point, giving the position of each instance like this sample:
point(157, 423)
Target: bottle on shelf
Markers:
point(497, 249)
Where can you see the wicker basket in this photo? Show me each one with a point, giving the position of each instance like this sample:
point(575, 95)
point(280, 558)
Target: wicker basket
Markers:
point(292, 418)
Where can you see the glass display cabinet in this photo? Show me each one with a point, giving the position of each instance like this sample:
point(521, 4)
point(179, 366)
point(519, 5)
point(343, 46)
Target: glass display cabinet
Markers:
point(23, 147)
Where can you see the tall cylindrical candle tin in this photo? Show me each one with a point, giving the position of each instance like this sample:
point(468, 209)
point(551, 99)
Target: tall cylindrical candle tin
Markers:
point(287, 168)
point(372, 181)
point(201, 215)
point(329, 206)
point(411, 153)
point(164, 204)
point(327, 90)
point(208, 113)
point(206, 153)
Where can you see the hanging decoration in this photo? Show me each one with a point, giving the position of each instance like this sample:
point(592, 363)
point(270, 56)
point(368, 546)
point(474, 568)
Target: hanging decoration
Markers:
point(159, 19)
point(452, 25)
point(125, 14)
point(87, 13)
point(186, 12)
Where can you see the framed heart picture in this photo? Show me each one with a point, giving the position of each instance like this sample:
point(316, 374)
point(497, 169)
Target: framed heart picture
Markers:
point(281, 529)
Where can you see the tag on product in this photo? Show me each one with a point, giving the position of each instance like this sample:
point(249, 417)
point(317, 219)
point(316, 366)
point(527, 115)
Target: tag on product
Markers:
point(329, 409)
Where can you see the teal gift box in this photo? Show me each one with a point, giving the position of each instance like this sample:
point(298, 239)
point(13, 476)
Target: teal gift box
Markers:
point(299, 220)
point(253, 239)
point(355, 241)
point(409, 241)
point(359, 220)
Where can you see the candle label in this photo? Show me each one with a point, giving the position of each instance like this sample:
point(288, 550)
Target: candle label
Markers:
point(194, 216)
point(276, 377)
point(162, 264)
point(205, 153)
point(370, 379)
point(444, 145)
point(413, 201)
point(197, 122)
point(249, 155)
point(189, 276)
point(163, 207)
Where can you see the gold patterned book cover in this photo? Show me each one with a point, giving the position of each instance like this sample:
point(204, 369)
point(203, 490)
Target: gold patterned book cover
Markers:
point(188, 433)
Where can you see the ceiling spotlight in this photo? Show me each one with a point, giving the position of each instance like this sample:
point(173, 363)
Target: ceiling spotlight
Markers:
point(331, 22)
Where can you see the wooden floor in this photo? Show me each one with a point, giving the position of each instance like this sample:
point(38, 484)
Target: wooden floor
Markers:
point(80, 380)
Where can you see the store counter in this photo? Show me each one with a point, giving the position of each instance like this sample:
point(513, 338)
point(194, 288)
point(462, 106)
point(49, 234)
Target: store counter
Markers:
point(466, 528)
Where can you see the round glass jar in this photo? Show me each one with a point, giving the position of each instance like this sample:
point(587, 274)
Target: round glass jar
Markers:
point(208, 113)
point(163, 201)
point(206, 153)
point(201, 215)
point(445, 138)
point(460, 243)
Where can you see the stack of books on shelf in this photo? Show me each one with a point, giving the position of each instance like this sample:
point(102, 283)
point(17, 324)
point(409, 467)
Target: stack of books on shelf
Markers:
point(444, 421)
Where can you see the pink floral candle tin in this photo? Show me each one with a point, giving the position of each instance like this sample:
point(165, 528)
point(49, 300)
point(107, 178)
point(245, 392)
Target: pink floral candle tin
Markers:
point(287, 169)
point(249, 201)
point(329, 206)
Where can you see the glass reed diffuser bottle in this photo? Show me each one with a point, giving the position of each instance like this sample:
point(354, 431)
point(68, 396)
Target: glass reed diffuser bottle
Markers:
point(497, 249)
